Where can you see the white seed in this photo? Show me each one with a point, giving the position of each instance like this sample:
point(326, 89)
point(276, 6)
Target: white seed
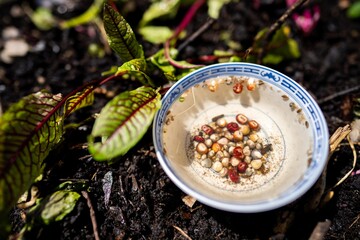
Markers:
point(260, 140)
point(231, 144)
point(253, 137)
point(203, 156)
point(201, 148)
point(258, 146)
point(219, 154)
point(246, 151)
point(221, 122)
point(208, 142)
point(226, 154)
point(225, 161)
point(234, 161)
point(217, 166)
point(211, 153)
point(214, 137)
point(206, 163)
point(240, 144)
point(228, 135)
point(223, 141)
point(247, 159)
point(231, 149)
point(238, 136)
point(250, 143)
point(248, 172)
point(223, 172)
point(256, 164)
point(256, 154)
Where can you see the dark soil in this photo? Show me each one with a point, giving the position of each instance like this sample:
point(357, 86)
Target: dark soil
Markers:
point(144, 203)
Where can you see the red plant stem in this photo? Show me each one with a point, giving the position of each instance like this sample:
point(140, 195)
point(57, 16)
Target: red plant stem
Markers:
point(189, 15)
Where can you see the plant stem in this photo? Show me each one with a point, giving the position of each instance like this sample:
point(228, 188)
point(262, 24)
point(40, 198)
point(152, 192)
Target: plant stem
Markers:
point(188, 17)
point(275, 26)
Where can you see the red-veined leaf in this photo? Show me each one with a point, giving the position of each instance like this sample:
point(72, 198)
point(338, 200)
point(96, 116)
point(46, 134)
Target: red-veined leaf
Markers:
point(79, 100)
point(28, 131)
point(122, 122)
point(120, 35)
point(136, 68)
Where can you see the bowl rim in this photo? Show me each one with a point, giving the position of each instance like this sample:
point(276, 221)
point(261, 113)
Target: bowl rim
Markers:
point(270, 76)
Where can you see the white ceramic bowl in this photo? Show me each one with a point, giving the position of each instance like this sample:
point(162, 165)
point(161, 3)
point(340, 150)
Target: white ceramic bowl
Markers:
point(290, 121)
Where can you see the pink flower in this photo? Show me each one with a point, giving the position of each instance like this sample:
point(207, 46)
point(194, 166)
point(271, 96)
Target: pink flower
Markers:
point(309, 18)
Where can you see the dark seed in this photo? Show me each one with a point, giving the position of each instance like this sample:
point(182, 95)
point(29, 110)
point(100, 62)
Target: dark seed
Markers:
point(238, 153)
point(232, 126)
point(199, 139)
point(207, 129)
point(233, 175)
point(242, 167)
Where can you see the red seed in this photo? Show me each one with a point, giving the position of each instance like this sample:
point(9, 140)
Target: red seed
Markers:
point(241, 118)
point(232, 126)
point(233, 175)
point(198, 138)
point(238, 153)
point(254, 125)
point(242, 167)
point(207, 129)
point(237, 88)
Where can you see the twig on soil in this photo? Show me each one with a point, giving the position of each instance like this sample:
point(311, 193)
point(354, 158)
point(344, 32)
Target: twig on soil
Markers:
point(353, 165)
point(320, 230)
point(92, 214)
point(197, 33)
point(182, 232)
point(275, 26)
point(338, 94)
point(356, 219)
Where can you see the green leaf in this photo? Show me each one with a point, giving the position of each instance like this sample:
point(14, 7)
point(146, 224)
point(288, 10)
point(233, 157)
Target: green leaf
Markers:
point(122, 123)
point(43, 18)
point(120, 35)
point(158, 9)
point(281, 47)
point(155, 34)
point(28, 131)
point(90, 14)
point(137, 69)
point(58, 205)
point(354, 10)
point(214, 7)
point(79, 100)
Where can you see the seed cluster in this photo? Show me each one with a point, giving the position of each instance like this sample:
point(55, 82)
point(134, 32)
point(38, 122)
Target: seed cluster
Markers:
point(232, 149)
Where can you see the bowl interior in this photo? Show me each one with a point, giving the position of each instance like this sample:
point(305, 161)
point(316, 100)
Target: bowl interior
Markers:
point(290, 121)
